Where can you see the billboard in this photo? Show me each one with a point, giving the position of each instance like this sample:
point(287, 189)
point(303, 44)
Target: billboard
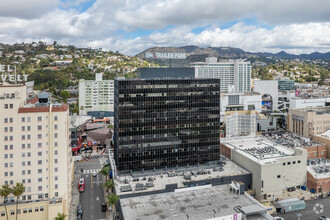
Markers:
point(165, 55)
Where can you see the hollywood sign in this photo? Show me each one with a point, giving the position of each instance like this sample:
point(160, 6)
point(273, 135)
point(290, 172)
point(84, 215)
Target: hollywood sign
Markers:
point(8, 74)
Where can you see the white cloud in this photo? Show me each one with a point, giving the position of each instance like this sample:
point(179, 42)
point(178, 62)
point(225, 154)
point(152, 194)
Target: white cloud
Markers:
point(102, 25)
point(26, 8)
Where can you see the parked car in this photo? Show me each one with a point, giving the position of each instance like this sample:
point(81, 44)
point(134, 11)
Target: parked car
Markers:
point(291, 189)
point(79, 210)
point(324, 218)
point(103, 207)
point(278, 218)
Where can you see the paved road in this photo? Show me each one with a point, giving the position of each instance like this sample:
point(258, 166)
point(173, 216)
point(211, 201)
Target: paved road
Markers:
point(314, 209)
point(93, 196)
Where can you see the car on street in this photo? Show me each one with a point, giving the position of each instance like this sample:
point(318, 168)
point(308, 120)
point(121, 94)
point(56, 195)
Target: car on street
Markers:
point(103, 207)
point(79, 210)
point(278, 218)
point(94, 173)
point(324, 218)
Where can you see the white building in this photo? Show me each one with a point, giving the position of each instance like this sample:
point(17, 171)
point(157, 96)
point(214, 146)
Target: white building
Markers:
point(241, 123)
point(274, 167)
point(269, 93)
point(35, 150)
point(298, 102)
point(238, 102)
point(231, 72)
point(96, 97)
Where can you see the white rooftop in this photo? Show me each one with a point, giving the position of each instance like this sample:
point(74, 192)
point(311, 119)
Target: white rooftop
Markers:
point(320, 170)
point(259, 149)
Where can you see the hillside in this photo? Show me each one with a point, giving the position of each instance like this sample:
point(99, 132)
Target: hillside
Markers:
point(195, 53)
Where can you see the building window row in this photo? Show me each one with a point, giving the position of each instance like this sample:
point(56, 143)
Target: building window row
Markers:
point(293, 162)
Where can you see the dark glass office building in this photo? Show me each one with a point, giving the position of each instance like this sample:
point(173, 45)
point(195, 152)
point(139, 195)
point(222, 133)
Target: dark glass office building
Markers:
point(166, 123)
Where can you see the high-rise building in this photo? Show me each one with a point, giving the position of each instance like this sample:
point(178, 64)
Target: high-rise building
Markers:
point(35, 151)
point(96, 97)
point(166, 123)
point(231, 72)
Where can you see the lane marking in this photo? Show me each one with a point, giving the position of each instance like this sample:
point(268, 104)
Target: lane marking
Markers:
point(92, 182)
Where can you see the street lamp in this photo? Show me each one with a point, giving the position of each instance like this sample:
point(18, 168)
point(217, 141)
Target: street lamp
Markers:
point(214, 212)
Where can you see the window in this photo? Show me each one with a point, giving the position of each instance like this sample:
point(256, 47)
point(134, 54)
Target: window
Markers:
point(23, 181)
point(29, 137)
point(56, 186)
point(24, 210)
point(28, 119)
point(55, 152)
point(11, 138)
point(11, 182)
point(11, 129)
point(262, 184)
point(6, 147)
point(6, 164)
point(11, 164)
point(39, 145)
point(278, 176)
point(23, 137)
point(23, 146)
point(11, 155)
point(6, 173)
point(298, 161)
point(12, 212)
point(6, 120)
point(29, 181)
point(11, 106)
point(23, 197)
point(39, 127)
point(55, 135)
point(36, 209)
point(46, 195)
point(56, 169)
point(23, 119)
point(28, 146)
point(39, 180)
point(23, 128)
point(29, 163)
point(56, 144)
point(40, 196)
point(55, 118)
point(11, 120)
point(55, 127)
point(23, 163)
point(289, 163)
point(6, 138)
point(29, 197)
point(39, 153)
point(39, 162)
point(39, 136)
point(41, 207)
point(3, 213)
point(39, 188)
point(56, 178)
point(6, 129)
point(55, 161)
point(39, 118)
point(18, 211)
point(29, 154)
point(30, 209)
point(6, 106)
point(29, 171)
point(56, 194)
point(39, 170)
point(23, 172)
point(28, 128)
point(294, 162)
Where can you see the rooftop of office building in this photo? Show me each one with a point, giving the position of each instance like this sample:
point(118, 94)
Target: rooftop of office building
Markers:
point(317, 110)
point(319, 168)
point(158, 180)
point(259, 149)
point(289, 139)
point(205, 202)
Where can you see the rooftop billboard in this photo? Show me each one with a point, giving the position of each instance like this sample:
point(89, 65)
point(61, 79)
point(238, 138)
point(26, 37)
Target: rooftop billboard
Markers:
point(165, 55)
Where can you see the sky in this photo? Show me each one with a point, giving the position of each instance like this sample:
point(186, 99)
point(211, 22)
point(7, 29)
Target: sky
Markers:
point(131, 26)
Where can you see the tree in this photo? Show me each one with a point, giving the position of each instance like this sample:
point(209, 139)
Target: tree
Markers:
point(60, 216)
point(65, 95)
point(109, 184)
point(112, 200)
point(17, 191)
point(105, 171)
point(5, 192)
point(110, 126)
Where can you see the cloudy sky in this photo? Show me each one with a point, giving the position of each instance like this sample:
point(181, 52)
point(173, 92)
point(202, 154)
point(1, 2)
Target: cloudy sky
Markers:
point(131, 26)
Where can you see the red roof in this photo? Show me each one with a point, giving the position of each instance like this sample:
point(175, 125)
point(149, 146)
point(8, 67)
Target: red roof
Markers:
point(34, 100)
point(62, 108)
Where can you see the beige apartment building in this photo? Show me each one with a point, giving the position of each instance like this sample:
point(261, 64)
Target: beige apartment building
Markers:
point(309, 121)
point(35, 151)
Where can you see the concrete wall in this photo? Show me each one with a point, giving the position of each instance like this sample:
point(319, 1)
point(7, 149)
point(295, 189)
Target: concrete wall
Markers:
point(319, 151)
point(304, 103)
point(265, 124)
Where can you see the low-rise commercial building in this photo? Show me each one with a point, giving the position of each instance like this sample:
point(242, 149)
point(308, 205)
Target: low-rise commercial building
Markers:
point(325, 139)
point(318, 176)
point(274, 167)
point(309, 121)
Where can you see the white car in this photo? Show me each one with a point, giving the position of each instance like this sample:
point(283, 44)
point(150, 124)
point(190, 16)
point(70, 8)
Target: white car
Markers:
point(94, 173)
point(278, 218)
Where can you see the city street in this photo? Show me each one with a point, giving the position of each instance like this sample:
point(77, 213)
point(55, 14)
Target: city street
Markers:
point(314, 209)
point(93, 196)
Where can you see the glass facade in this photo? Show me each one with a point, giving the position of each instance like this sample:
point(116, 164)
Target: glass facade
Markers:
point(166, 123)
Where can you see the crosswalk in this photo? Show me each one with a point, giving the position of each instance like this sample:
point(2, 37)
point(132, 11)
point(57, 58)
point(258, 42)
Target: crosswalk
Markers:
point(91, 171)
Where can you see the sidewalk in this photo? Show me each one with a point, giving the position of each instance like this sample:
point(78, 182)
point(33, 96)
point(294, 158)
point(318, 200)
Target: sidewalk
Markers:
point(75, 196)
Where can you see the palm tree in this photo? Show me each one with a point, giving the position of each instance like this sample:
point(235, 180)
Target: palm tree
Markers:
point(60, 216)
point(112, 200)
point(109, 184)
point(17, 191)
point(4, 192)
point(105, 171)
